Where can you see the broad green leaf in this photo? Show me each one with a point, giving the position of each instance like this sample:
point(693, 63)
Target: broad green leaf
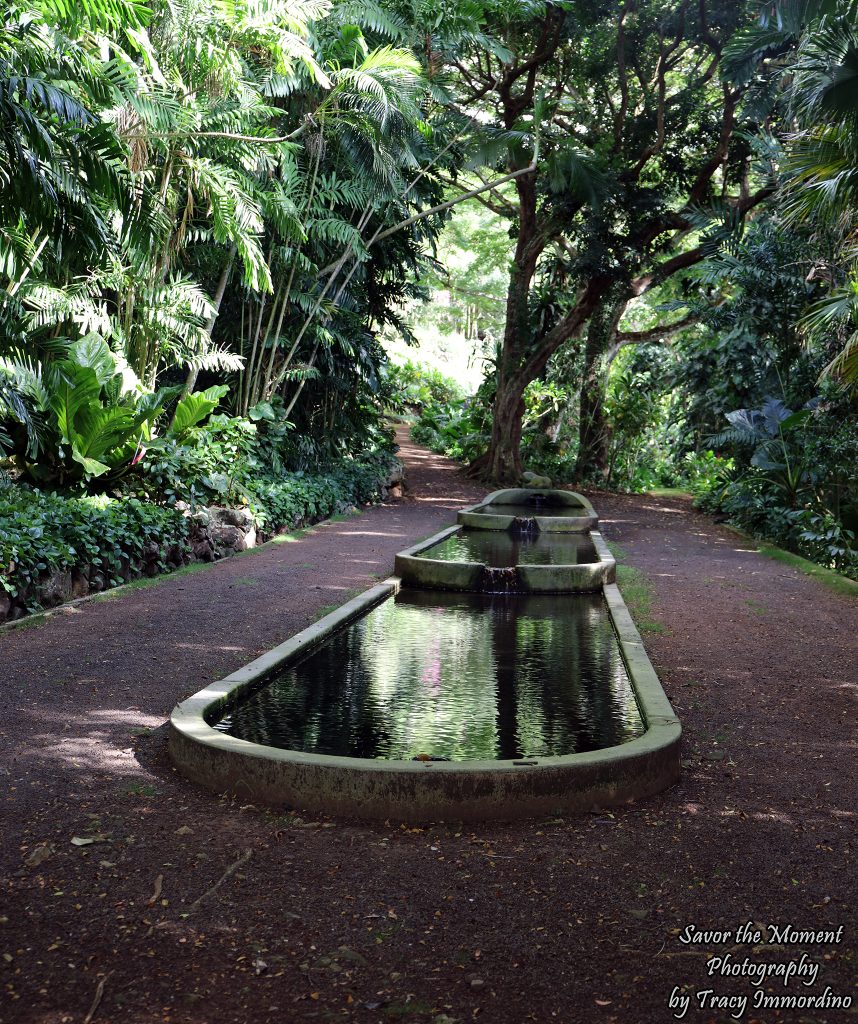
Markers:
point(76, 387)
point(101, 431)
point(94, 352)
point(193, 409)
point(91, 467)
point(262, 411)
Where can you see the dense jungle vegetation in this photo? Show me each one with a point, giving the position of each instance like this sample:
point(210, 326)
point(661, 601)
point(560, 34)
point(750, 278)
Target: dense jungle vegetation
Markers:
point(214, 214)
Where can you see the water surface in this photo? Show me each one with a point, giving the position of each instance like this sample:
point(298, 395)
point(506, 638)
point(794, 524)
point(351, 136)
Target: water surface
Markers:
point(453, 676)
point(502, 549)
point(528, 510)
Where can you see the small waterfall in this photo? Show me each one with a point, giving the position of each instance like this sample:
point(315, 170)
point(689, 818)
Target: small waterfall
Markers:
point(523, 527)
point(499, 580)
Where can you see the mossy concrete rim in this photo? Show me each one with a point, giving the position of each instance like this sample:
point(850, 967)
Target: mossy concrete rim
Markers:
point(426, 791)
point(478, 520)
point(436, 573)
point(208, 702)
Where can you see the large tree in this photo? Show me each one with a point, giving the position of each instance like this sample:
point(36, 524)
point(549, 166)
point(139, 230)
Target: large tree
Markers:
point(632, 169)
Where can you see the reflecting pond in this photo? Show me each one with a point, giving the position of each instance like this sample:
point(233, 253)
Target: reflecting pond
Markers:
point(528, 510)
point(452, 676)
point(503, 549)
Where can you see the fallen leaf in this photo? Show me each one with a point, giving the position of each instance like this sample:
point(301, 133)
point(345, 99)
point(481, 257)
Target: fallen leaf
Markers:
point(159, 882)
point(39, 855)
point(89, 840)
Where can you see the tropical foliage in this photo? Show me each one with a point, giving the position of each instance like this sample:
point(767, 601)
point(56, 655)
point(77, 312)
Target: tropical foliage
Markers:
point(214, 216)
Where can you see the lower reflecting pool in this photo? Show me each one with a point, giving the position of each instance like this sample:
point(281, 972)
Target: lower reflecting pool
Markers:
point(452, 676)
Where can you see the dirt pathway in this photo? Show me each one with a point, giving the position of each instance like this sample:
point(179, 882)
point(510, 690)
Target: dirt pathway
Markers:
point(568, 920)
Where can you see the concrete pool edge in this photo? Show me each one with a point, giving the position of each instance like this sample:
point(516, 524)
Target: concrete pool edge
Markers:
point(426, 791)
point(472, 517)
point(435, 573)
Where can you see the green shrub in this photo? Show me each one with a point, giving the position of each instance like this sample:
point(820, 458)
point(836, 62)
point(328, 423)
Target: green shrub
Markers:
point(790, 482)
point(706, 474)
point(227, 462)
point(42, 533)
point(415, 384)
point(823, 538)
point(118, 538)
point(296, 498)
point(207, 467)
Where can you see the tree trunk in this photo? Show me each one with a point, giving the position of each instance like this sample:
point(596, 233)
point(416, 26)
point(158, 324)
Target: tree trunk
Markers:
point(520, 364)
point(504, 459)
point(593, 434)
point(502, 462)
point(193, 371)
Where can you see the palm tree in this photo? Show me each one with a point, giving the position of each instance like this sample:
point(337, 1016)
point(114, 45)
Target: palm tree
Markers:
point(823, 164)
point(63, 170)
point(813, 47)
point(63, 176)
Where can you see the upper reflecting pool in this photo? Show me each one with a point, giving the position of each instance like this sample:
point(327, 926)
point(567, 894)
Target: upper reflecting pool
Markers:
point(528, 510)
point(501, 549)
point(452, 676)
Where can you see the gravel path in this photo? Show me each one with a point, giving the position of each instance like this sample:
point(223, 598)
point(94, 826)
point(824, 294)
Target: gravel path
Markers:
point(572, 920)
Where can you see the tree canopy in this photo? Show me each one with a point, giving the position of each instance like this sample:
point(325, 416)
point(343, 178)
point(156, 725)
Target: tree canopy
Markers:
point(250, 196)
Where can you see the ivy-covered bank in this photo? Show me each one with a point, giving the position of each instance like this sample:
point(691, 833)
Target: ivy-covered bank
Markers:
point(54, 547)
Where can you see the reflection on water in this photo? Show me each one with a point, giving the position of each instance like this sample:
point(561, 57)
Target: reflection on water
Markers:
point(527, 510)
point(501, 549)
point(456, 676)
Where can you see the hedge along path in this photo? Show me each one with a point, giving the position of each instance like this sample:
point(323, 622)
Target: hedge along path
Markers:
point(163, 914)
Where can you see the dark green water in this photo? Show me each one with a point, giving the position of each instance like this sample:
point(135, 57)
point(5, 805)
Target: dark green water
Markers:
point(456, 676)
point(529, 511)
point(501, 549)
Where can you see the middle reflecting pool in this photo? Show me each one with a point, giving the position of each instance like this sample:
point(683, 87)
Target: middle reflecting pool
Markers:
point(452, 676)
point(503, 549)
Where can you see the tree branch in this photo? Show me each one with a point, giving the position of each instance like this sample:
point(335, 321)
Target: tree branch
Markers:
point(706, 32)
point(568, 327)
point(473, 193)
point(620, 115)
point(662, 271)
point(704, 175)
point(259, 140)
point(624, 338)
point(653, 333)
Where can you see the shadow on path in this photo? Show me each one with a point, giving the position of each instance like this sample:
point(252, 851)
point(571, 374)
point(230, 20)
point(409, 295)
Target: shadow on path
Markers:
point(567, 920)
